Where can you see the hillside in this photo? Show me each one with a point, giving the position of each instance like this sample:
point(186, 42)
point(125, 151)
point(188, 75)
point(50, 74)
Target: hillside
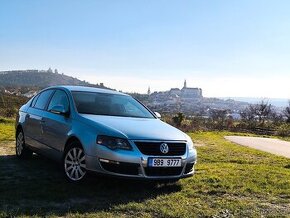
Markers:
point(37, 78)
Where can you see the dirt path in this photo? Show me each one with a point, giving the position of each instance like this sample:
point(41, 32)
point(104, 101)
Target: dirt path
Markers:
point(274, 146)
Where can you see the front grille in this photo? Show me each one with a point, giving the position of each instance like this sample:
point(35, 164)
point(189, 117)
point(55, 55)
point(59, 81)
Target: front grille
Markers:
point(121, 168)
point(163, 171)
point(153, 148)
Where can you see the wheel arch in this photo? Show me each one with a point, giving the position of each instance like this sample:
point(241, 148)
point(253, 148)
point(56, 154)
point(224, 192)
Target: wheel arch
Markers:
point(71, 139)
point(18, 129)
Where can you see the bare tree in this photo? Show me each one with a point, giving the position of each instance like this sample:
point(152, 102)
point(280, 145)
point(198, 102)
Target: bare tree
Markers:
point(248, 116)
point(263, 111)
point(276, 118)
point(287, 112)
point(218, 117)
point(257, 113)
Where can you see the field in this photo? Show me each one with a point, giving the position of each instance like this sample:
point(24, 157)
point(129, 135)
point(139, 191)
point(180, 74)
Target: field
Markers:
point(230, 181)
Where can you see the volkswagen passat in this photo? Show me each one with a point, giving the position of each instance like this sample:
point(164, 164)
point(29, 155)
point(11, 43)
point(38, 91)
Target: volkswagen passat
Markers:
point(103, 131)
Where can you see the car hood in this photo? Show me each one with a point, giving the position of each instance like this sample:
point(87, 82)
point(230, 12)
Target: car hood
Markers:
point(138, 128)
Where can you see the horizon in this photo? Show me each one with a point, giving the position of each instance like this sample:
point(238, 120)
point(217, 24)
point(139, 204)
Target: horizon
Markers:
point(227, 48)
point(253, 99)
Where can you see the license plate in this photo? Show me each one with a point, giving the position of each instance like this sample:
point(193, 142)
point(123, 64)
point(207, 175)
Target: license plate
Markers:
point(164, 162)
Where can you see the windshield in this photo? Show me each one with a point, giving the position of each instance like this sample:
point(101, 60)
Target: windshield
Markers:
point(109, 104)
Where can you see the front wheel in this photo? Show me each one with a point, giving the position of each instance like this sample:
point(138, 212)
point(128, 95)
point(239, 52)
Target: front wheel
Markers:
point(22, 151)
point(74, 163)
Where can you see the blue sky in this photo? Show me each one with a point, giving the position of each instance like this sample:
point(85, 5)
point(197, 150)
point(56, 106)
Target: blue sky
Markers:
point(227, 47)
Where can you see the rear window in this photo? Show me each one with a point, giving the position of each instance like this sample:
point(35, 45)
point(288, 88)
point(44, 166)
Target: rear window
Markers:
point(42, 100)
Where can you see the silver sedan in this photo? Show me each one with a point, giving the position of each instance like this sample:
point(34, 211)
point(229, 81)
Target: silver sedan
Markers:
point(103, 131)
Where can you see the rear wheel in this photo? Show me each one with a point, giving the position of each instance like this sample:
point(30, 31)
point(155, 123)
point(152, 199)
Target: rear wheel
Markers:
point(22, 151)
point(74, 162)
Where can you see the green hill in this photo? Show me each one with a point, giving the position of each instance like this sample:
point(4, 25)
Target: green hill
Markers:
point(38, 78)
point(17, 86)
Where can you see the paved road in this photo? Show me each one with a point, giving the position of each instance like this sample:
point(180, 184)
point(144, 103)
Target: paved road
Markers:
point(274, 146)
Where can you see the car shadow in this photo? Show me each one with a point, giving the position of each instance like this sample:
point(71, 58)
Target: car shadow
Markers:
point(38, 187)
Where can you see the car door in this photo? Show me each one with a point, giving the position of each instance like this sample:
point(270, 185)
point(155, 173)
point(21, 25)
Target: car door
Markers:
point(56, 126)
point(33, 121)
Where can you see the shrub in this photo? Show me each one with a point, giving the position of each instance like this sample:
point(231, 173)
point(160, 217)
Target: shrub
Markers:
point(177, 119)
point(283, 130)
point(8, 112)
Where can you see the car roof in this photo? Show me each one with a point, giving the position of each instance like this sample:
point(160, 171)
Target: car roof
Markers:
point(89, 89)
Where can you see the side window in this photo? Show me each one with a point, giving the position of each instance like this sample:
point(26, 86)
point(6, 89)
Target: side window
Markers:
point(42, 100)
point(34, 101)
point(59, 98)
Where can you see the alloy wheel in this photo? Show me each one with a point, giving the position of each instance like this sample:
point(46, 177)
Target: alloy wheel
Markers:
point(75, 164)
point(19, 144)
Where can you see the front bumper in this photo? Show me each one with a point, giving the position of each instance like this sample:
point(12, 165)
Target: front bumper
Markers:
point(134, 164)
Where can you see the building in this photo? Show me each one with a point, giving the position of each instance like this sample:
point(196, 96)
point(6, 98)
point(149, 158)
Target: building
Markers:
point(190, 92)
point(190, 101)
point(185, 92)
point(149, 91)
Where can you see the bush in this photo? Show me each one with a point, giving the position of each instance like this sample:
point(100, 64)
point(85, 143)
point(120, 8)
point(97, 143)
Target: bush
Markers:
point(177, 119)
point(9, 112)
point(283, 130)
point(6, 121)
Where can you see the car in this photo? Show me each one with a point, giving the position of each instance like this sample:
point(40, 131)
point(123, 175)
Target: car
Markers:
point(103, 131)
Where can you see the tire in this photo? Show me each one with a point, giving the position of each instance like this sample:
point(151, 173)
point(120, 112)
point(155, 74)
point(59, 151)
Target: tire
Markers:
point(22, 151)
point(74, 163)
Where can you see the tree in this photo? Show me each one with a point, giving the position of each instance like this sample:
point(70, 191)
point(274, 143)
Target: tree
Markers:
point(263, 111)
point(249, 114)
point(56, 71)
point(257, 114)
point(286, 112)
point(177, 119)
point(49, 70)
point(218, 118)
point(218, 115)
point(276, 118)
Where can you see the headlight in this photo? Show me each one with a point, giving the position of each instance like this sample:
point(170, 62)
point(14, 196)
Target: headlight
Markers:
point(113, 143)
point(189, 143)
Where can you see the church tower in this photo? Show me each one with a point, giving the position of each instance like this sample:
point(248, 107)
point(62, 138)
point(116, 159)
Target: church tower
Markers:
point(184, 85)
point(149, 91)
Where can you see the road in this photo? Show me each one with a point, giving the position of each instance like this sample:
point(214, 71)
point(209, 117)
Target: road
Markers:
point(274, 146)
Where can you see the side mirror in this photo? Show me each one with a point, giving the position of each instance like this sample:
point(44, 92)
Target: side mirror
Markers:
point(158, 115)
point(59, 109)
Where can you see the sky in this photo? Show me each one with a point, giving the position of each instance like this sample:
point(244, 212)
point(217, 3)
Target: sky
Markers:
point(229, 48)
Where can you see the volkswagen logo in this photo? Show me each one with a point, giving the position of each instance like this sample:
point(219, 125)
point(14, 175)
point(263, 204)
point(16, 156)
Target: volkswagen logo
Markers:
point(164, 148)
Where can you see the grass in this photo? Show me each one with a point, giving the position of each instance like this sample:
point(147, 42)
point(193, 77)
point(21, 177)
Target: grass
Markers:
point(7, 129)
point(230, 181)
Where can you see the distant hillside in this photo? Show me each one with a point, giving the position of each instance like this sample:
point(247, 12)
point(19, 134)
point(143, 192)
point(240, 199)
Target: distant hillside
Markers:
point(278, 102)
point(37, 78)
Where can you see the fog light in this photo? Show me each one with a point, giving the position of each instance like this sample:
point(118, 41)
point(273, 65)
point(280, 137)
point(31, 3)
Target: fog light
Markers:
point(109, 161)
